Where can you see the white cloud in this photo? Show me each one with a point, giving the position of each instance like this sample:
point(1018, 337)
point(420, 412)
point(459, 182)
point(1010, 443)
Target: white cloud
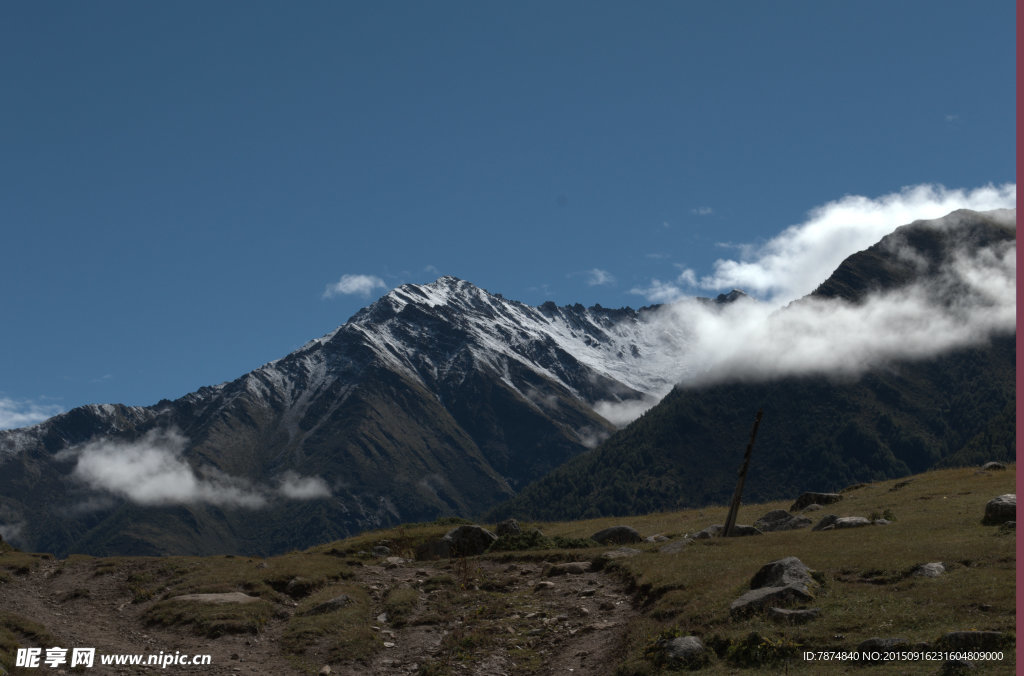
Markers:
point(621, 413)
point(15, 413)
point(153, 471)
point(296, 487)
point(598, 277)
point(659, 292)
point(362, 285)
point(973, 299)
point(794, 262)
point(702, 211)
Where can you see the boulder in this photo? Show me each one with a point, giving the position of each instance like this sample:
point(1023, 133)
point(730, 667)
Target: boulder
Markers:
point(1001, 509)
point(683, 652)
point(739, 530)
point(933, 569)
point(617, 535)
point(460, 541)
point(784, 582)
point(780, 519)
point(990, 466)
point(508, 528)
point(783, 572)
point(469, 540)
point(381, 551)
point(811, 498)
point(757, 600)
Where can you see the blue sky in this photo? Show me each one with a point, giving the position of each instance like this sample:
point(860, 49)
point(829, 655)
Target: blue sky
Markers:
point(192, 189)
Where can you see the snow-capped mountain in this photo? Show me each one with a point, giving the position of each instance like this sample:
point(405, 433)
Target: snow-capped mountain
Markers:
point(436, 399)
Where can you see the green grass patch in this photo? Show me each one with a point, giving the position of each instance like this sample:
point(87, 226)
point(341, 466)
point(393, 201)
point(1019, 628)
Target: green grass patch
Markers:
point(19, 632)
point(342, 635)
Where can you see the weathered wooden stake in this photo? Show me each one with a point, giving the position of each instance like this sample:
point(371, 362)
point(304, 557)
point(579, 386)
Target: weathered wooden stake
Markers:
point(734, 508)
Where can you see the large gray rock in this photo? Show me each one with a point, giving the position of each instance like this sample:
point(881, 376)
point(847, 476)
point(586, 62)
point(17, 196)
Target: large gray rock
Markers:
point(508, 528)
point(783, 572)
point(617, 535)
point(1001, 509)
point(993, 466)
point(684, 651)
point(780, 519)
point(757, 600)
point(784, 582)
point(460, 541)
point(811, 498)
point(469, 540)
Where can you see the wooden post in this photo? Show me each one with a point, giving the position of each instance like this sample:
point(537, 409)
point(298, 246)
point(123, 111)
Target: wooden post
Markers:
point(734, 507)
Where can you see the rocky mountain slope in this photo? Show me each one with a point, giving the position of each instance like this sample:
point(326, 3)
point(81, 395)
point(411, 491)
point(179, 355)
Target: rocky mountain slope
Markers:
point(436, 399)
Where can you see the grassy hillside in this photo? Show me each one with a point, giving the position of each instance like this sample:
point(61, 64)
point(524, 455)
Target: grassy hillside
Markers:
point(508, 611)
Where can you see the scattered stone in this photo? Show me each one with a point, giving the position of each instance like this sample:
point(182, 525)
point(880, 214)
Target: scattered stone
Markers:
point(852, 522)
point(833, 522)
point(571, 568)
point(787, 616)
point(684, 652)
point(228, 597)
point(508, 528)
point(881, 522)
point(738, 530)
point(934, 569)
point(381, 551)
point(991, 466)
point(756, 600)
point(1001, 509)
point(782, 572)
point(811, 508)
point(780, 519)
point(675, 546)
point(973, 640)
point(617, 535)
point(324, 670)
point(543, 586)
point(656, 538)
point(337, 603)
point(811, 498)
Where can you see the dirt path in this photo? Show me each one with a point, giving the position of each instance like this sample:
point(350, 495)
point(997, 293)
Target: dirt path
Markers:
point(469, 617)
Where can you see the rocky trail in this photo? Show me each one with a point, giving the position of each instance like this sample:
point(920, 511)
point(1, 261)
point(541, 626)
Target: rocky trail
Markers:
point(458, 616)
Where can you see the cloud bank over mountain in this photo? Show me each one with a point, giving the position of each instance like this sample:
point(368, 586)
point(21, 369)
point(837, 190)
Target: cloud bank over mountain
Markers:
point(792, 263)
point(971, 298)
